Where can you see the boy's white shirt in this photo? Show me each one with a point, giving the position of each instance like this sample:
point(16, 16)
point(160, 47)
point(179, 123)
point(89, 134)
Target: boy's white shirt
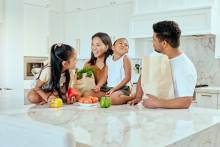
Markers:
point(116, 72)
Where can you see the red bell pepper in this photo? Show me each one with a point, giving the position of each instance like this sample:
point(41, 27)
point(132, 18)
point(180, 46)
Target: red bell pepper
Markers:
point(72, 92)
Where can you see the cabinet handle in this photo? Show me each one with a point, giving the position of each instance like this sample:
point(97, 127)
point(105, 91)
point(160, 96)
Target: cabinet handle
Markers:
point(206, 95)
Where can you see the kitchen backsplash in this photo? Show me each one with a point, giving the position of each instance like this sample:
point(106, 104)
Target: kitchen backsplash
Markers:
point(200, 49)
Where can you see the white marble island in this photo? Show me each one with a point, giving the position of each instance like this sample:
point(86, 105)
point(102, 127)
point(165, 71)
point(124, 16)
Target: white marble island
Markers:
point(128, 126)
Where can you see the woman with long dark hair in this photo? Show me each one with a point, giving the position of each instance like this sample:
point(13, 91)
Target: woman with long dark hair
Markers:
point(101, 48)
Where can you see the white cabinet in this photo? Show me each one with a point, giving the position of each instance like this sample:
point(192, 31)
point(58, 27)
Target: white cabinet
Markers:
point(56, 30)
point(207, 100)
point(56, 5)
point(1, 10)
point(197, 17)
point(143, 6)
point(122, 1)
point(35, 30)
point(208, 97)
point(71, 5)
point(77, 5)
point(36, 2)
point(82, 24)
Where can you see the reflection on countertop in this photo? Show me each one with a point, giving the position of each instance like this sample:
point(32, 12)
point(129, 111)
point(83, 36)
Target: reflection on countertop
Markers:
point(123, 125)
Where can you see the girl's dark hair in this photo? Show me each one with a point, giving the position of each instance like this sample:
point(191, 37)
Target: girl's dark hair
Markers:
point(107, 41)
point(168, 31)
point(59, 53)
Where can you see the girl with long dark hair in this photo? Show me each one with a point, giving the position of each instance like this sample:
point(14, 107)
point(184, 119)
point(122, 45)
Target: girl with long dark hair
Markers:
point(54, 78)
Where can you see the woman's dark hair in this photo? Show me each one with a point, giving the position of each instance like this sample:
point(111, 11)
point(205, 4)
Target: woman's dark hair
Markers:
point(59, 53)
point(168, 31)
point(107, 41)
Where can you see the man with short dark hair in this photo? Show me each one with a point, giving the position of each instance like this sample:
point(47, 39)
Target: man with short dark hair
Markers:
point(166, 40)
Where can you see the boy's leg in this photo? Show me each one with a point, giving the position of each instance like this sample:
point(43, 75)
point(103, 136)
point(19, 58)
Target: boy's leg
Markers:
point(119, 98)
point(138, 95)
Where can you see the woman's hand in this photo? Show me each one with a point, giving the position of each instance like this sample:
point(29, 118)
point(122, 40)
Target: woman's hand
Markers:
point(97, 88)
point(110, 91)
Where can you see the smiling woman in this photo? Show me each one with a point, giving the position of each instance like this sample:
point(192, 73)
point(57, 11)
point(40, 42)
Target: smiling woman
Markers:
point(101, 47)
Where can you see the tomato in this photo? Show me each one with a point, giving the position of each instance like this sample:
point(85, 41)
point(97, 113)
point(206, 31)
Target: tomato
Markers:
point(87, 101)
point(94, 99)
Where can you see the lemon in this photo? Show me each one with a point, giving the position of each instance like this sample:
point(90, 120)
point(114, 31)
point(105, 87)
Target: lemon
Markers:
point(56, 103)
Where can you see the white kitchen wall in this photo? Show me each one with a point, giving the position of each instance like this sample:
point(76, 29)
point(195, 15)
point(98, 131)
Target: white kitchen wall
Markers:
point(1, 57)
point(1, 10)
point(13, 44)
point(2, 49)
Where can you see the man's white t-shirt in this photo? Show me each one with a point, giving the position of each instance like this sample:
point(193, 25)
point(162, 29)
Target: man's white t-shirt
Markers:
point(184, 76)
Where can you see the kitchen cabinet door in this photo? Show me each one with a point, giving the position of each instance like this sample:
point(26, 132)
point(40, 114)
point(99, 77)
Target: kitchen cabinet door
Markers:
point(89, 26)
point(122, 18)
point(36, 2)
point(207, 100)
point(71, 5)
point(56, 29)
point(122, 1)
point(35, 30)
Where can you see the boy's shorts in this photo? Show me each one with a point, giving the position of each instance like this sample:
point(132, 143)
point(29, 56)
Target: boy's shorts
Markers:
point(125, 90)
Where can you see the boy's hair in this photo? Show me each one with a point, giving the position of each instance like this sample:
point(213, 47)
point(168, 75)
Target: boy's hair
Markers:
point(119, 39)
point(168, 31)
point(59, 53)
point(107, 41)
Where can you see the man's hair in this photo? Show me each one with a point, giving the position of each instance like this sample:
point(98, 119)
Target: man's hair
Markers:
point(168, 31)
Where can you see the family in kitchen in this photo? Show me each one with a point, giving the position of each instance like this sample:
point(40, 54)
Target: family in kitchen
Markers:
point(168, 77)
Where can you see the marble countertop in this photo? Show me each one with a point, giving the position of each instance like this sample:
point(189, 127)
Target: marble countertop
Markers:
point(208, 89)
point(126, 126)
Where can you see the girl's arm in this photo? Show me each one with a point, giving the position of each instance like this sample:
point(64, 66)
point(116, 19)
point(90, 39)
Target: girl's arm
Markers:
point(127, 69)
point(39, 91)
point(73, 78)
